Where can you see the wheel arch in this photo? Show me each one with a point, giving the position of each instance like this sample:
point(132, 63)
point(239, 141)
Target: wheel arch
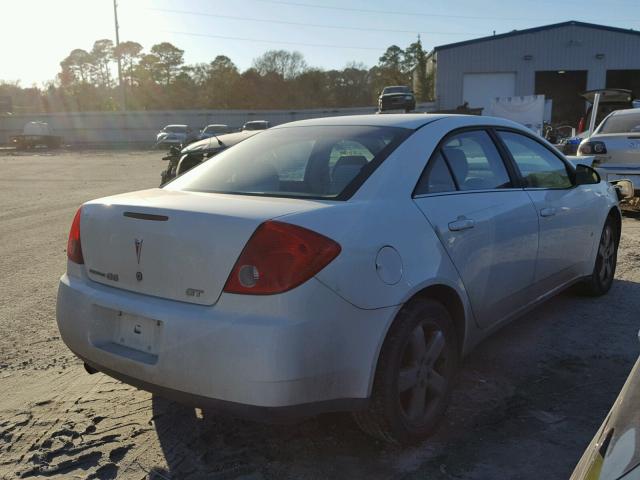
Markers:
point(452, 300)
point(615, 215)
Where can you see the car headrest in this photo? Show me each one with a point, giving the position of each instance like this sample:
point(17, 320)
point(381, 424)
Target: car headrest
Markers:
point(458, 163)
point(345, 170)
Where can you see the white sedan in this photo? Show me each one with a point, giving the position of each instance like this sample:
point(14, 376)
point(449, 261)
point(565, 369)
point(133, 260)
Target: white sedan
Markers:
point(336, 264)
point(616, 146)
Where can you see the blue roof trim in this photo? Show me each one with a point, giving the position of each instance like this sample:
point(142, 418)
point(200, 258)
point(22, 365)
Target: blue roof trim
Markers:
point(535, 30)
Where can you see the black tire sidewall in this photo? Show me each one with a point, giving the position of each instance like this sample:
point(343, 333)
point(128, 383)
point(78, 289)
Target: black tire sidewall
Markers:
point(411, 316)
point(600, 287)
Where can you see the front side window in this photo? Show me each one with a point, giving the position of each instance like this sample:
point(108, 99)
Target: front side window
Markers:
point(539, 167)
point(300, 162)
point(475, 161)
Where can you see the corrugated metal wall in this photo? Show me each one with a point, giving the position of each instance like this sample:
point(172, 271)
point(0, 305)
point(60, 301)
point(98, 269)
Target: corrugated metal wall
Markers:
point(570, 47)
point(141, 127)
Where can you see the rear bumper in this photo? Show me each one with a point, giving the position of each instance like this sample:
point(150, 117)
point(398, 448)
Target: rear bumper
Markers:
point(252, 412)
point(307, 350)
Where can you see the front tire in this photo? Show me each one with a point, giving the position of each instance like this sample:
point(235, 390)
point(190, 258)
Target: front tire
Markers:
point(600, 281)
point(415, 373)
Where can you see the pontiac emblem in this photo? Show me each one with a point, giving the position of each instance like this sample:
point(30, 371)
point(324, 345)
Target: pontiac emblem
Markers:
point(138, 249)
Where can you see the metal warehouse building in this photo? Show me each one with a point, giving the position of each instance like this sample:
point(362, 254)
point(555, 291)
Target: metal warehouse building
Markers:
point(559, 61)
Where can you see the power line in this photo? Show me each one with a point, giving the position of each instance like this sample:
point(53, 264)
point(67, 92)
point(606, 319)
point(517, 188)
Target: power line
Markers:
point(300, 24)
point(259, 40)
point(415, 14)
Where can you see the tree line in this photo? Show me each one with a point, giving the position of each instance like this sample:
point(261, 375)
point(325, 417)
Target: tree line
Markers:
point(159, 79)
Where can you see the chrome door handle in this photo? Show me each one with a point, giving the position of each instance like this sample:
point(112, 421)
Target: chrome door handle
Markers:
point(548, 212)
point(461, 223)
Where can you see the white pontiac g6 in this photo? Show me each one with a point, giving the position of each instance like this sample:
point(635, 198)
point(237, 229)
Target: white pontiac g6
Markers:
point(335, 264)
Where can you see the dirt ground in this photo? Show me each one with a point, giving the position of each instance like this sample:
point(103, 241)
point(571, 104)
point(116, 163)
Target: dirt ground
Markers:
point(527, 402)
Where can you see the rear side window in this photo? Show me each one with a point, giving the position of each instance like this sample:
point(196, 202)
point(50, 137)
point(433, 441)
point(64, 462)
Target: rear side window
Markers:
point(539, 167)
point(436, 178)
point(475, 161)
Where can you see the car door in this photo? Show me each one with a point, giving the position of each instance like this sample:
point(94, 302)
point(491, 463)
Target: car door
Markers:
point(487, 224)
point(565, 212)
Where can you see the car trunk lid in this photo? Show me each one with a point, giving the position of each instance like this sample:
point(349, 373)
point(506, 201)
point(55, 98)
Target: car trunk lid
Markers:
point(172, 244)
point(622, 148)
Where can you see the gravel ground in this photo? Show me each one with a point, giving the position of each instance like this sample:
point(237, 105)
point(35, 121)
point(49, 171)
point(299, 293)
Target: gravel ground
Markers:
point(527, 403)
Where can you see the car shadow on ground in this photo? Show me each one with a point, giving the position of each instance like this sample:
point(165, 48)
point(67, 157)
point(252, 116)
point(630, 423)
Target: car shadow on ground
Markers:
point(527, 402)
point(634, 214)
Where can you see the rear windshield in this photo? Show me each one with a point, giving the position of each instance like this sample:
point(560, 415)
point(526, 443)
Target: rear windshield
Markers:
point(628, 123)
point(396, 90)
point(302, 162)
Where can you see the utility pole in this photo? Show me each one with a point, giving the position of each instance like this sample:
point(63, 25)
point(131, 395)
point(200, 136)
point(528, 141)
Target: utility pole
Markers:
point(122, 87)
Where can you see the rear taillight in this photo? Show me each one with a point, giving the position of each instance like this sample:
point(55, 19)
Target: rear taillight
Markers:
point(592, 148)
point(74, 249)
point(278, 257)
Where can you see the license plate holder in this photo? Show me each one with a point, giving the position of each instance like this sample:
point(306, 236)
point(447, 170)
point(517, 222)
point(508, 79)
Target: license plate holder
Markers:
point(136, 332)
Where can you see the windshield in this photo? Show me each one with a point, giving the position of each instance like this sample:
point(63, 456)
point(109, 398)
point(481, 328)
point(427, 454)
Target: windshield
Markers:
point(319, 162)
point(255, 126)
point(396, 90)
point(175, 129)
point(215, 129)
point(626, 123)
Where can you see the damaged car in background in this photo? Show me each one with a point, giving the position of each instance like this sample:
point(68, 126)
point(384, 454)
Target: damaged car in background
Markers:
point(614, 149)
point(174, 135)
point(182, 158)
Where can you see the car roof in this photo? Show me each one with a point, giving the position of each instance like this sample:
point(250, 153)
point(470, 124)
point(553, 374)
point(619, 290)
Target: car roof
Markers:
point(626, 111)
point(176, 125)
point(217, 125)
point(411, 121)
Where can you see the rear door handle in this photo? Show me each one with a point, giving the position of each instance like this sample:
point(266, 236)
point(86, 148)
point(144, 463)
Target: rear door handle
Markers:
point(462, 223)
point(548, 212)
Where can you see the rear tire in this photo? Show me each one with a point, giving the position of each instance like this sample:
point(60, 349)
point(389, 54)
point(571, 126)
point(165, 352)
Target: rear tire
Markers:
point(414, 378)
point(600, 281)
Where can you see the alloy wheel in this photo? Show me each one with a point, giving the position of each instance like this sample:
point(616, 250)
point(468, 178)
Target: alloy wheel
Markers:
point(606, 255)
point(422, 379)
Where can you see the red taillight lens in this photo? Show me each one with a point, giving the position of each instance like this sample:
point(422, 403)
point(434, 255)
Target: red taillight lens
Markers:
point(74, 249)
point(279, 257)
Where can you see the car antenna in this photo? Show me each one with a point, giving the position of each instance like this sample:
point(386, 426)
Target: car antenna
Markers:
point(220, 142)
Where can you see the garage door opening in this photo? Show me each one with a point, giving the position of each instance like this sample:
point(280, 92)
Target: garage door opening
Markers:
point(627, 79)
point(564, 88)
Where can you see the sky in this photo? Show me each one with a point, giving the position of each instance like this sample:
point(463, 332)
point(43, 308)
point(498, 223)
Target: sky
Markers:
point(37, 34)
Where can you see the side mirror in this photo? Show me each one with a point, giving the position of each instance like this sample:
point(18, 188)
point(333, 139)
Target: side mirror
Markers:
point(586, 175)
point(624, 189)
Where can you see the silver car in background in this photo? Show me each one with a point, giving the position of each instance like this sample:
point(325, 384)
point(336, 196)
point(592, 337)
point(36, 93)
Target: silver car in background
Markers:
point(615, 146)
point(174, 135)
